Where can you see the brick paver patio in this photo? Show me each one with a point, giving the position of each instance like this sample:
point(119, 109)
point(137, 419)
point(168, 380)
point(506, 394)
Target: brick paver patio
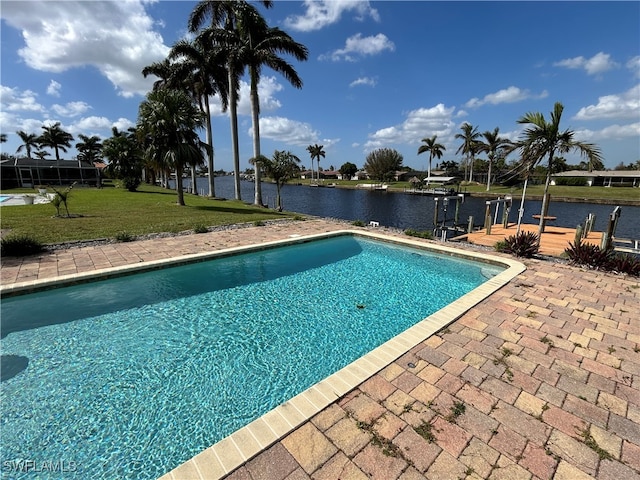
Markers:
point(539, 381)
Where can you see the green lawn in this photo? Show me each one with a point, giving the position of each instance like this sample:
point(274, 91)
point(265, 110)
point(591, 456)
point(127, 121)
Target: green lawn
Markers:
point(104, 213)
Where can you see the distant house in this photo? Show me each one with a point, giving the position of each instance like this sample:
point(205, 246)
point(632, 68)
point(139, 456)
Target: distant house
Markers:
point(29, 172)
point(602, 178)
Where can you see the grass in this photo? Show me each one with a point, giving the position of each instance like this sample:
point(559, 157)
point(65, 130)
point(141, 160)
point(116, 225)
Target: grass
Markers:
point(107, 212)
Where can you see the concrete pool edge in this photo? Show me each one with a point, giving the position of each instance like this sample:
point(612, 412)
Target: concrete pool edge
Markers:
point(233, 451)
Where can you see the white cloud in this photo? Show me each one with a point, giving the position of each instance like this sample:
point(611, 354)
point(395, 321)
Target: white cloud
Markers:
point(287, 131)
point(599, 63)
point(267, 88)
point(71, 109)
point(54, 89)
point(15, 100)
point(364, 81)
point(610, 132)
point(320, 14)
point(359, 46)
point(634, 66)
point(117, 38)
point(625, 105)
point(420, 123)
point(506, 95)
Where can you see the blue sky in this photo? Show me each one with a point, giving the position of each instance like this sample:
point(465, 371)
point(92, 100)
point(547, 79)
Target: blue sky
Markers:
point(379, 74)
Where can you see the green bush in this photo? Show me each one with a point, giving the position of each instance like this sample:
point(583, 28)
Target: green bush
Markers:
point(20, 246)
point(525, 244)
point(358, 223)
point(259, 223)
point(131, 183)
point(420, 234)
point(200, 228)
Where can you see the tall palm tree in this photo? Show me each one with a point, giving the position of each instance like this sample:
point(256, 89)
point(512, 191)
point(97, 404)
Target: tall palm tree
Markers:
point(542, 138)
point(90, 149)
point(469, 147)
point(3, 137)
point(263, 44)
point(434, 149)
point(55, 138)
point(315, 152)
point(204, 66)
point(492, 147)
point(29, 141)
point(168, 120)
point(228, 18)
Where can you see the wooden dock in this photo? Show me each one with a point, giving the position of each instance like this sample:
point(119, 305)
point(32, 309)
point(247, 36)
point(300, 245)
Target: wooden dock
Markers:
point(553, 242)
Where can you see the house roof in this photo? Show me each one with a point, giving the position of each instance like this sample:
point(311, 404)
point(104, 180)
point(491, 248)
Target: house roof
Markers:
point(600, 173)
point(36, 162)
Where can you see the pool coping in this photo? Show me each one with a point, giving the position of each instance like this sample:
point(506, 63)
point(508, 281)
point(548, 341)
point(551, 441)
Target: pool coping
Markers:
point(231, 452)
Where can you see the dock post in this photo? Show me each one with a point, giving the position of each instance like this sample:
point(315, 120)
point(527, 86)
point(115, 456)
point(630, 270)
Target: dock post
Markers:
point(435, 213)
point(487, 218)
point(470, 225)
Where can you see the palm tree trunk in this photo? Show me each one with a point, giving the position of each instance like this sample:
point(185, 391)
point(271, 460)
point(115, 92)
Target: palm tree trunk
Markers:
point(471, 162)
point(233, 118)
point(209, 139)
point(194, 187)
point(545, 198)
point(179, 185)
point(489, 176)
point(255, 112)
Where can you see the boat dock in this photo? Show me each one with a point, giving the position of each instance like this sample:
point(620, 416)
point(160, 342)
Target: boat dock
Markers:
point(553, 242)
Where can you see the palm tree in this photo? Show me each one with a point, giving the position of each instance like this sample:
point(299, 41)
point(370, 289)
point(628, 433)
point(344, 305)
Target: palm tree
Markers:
point(168, 120)
point(542, 138)
point(434, 149)
point(29, 141)
point(55, 138)
point(281, 168)
point(315, 152)
point(125, 158)
point(3, 137)
point(228, 18)
point(204, 66)
point(469, 147)
point(90, 149)
point(493, 146)
point(263, 44)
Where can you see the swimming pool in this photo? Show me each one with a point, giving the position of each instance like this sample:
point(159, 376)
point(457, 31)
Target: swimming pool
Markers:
point(144, 357)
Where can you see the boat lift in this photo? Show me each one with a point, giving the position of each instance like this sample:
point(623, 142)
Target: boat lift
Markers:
point(440, 228)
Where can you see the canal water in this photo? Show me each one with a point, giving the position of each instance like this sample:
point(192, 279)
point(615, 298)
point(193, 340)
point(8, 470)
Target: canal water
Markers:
point(404, 211)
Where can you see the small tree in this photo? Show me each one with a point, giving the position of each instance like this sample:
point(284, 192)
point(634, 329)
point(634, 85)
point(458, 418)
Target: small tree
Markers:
point(348, 169)
point(282, 167)
point(382, 164)
point(62, 198)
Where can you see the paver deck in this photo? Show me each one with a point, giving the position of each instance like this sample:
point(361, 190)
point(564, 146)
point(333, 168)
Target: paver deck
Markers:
point(541, 380)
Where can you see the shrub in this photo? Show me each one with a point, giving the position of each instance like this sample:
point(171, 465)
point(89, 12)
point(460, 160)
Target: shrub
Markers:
point(131, 183)
point(358, 223)
point(200, 228)
point(571, 181)
point(525, 244)
point(420, 234)
point(623, 263)
point(124, 237)
point(20, 246)
point(259, 223)
point(589, 255)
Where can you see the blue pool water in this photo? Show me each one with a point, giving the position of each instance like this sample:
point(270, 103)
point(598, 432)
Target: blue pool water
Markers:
point(130, 377)
point(3, 198)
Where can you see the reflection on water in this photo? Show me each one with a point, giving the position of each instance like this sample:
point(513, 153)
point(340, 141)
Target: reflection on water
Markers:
point(399, 210)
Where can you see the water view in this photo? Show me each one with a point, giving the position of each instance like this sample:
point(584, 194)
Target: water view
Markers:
point(400, 210)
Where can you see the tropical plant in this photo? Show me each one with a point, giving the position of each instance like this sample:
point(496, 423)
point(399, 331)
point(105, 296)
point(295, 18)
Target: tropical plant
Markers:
point(281, 167)
point(3, 137)
point(589, 255)
point(20, 245)
point(56, 138)
point(29, 142)
point(493, 146)
point(42, 154)
point(203, 65)
point(168, 121)
point(228, 20)
point(61, 197)
point(315, 152)
point(125, 158)
point(263, 45)
point(542, 138)
point(434, 149)
point(381, 164)
point(90, 149)
point(524, 244)
point(469, 147)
